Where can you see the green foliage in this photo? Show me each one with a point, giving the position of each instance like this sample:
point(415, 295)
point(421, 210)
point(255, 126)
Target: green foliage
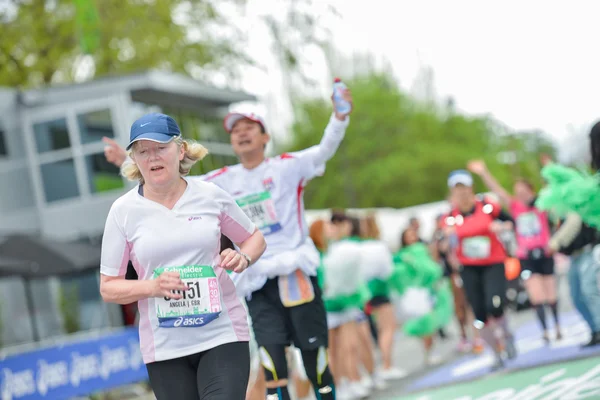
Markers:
point(398, 152)
point(131, 35)
point(43, 41)
point(69, 307)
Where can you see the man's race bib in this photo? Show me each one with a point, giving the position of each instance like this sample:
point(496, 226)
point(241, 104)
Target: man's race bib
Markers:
point(476, 247)
point(528, 224)
point(260, 209)
point(199, 305)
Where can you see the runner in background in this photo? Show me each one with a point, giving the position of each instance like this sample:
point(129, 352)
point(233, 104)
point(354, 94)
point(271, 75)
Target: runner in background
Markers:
point(444, 254)
point(380, 306)
point(283, 298)
point(476, 224)
point(533, 234)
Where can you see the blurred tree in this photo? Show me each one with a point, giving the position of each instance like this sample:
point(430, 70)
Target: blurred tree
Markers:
point(398, 152)
point(47, 41)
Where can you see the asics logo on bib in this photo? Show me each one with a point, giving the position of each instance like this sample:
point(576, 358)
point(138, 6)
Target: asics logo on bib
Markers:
point(189, 321)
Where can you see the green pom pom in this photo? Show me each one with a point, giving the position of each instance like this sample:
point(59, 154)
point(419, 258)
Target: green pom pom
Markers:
point(571, 190)
point(414, 267)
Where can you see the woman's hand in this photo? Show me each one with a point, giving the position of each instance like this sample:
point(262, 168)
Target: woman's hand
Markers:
point(233, 261)
point(166, 283)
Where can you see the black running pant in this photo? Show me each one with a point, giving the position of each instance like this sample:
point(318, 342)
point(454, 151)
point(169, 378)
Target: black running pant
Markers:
point(485, 287)
point(220, 373)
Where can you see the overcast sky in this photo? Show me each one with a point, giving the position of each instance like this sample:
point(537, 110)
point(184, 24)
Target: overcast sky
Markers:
point(531, 64)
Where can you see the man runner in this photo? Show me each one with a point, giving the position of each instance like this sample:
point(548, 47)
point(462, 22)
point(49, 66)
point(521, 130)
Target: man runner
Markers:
point(284, 298)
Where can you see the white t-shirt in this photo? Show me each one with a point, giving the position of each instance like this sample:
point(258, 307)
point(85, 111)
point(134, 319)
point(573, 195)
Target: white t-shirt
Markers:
point(272, 195)
point(153, 238)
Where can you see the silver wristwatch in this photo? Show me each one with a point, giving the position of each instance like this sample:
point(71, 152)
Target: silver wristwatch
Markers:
point(247, 257)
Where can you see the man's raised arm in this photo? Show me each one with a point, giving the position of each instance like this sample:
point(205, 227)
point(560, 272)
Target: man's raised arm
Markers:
point(314, 158)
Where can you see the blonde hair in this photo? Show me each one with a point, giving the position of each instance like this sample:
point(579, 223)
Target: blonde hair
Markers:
point(194, 152)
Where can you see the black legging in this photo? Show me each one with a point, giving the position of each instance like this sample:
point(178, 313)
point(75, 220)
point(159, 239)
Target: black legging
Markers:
point(485, 287)
point(220, 373)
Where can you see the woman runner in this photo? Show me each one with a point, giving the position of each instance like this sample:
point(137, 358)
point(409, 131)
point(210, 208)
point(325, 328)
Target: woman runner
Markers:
point(193, 328)
point(533, 235)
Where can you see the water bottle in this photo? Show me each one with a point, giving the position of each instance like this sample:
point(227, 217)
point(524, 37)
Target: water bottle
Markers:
point(341, 106)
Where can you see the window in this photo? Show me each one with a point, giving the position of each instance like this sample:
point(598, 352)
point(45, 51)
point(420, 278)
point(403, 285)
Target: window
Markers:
point(3, 149)
point(59, 180)
point(94, 125)
point(51, 135)
point(102, 175)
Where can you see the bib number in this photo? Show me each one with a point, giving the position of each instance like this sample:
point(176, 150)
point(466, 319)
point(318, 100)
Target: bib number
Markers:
point(528, 224)
point(198, 306)
point(476, 247)
point(261, 210)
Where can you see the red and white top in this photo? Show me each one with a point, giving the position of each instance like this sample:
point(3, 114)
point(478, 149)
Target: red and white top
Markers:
point(272, 196)
point(477, 245)
point(183, 239)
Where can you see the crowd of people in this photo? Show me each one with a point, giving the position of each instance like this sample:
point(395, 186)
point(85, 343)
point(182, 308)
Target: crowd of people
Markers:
point(238, 297)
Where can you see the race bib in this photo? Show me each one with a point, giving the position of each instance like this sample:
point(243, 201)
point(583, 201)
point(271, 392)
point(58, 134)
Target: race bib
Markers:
point(476, 247)
point(199, 305)
point(528, 224)
point(261, 210)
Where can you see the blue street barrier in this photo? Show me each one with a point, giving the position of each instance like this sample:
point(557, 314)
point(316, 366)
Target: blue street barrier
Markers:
point(73, 369)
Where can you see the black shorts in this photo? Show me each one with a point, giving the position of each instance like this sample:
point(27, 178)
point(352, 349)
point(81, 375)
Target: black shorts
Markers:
point(542, 266)
point(220, 373)
point(485, 287)
point(377, 301)
point(305, 325)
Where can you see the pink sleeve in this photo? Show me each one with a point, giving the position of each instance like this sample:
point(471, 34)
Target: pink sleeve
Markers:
point(235, 224)
point(115, 248)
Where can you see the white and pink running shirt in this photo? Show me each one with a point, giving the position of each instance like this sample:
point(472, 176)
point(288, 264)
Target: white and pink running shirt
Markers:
point(185, 239)
point(272, 196)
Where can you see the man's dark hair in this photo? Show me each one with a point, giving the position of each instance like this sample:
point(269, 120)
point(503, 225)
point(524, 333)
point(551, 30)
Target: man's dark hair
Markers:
point(338, 215)
point(595, 145)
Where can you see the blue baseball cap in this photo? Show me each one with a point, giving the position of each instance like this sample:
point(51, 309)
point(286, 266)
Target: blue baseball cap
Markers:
point(461, 177)
point(155, 127)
